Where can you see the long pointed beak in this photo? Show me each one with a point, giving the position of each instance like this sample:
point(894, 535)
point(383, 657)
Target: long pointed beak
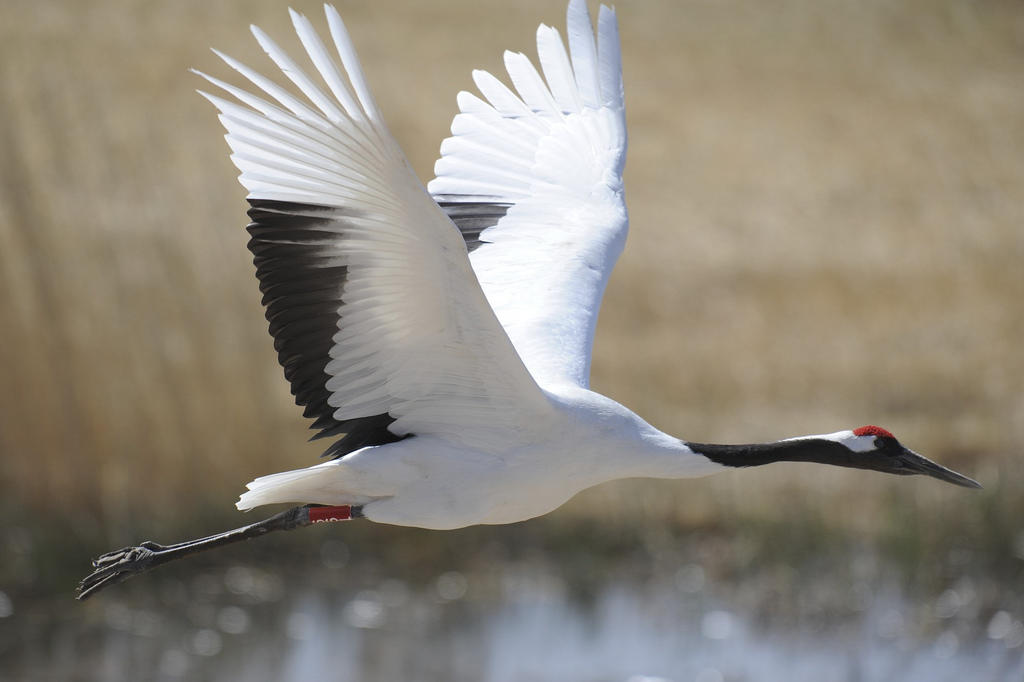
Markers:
point(913, 463)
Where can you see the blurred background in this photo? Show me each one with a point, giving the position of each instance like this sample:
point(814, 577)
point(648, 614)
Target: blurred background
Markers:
point(827, 206)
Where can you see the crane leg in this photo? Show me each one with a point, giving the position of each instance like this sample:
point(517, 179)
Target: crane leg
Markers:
point(119, 565)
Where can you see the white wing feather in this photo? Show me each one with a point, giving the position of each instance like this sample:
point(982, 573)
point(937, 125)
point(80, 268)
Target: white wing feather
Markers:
point(555, 153)
point(416, 337)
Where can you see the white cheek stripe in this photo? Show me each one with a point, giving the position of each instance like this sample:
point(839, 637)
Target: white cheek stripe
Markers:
point(846, 438)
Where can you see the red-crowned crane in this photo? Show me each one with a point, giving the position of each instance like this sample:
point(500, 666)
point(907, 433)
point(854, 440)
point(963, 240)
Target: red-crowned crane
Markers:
point(440, 336)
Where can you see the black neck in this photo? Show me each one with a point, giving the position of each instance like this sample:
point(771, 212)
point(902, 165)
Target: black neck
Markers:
point(755, 454)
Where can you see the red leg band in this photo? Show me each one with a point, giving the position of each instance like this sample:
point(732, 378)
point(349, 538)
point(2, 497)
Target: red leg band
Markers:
point(325, 514)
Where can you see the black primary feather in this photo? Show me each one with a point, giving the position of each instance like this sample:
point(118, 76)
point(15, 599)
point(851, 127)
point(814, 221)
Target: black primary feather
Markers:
point(303, 279)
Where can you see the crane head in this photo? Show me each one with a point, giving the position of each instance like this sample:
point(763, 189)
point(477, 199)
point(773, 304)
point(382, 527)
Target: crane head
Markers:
point(878, 449)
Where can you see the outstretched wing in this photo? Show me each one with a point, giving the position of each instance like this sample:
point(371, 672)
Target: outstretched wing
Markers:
point(377, 317)
point(538, 177)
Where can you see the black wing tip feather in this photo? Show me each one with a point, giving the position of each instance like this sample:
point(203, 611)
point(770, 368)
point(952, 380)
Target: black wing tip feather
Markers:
point(472, 214)
point(301, 283)
point(301, 289)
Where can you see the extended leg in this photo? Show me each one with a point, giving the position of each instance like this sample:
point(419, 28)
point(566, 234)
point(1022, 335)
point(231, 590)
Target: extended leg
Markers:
point(119, 565)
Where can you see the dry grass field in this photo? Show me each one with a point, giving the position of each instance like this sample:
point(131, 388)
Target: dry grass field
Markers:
point(827, 207)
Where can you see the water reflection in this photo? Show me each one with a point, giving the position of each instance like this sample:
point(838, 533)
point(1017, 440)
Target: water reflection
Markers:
point(510, 622)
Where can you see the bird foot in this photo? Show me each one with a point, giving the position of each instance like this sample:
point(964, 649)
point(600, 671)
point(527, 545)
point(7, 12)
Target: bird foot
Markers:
point(119, 565)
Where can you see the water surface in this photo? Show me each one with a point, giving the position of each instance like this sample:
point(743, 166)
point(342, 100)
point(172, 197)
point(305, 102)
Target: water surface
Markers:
point(527, 619)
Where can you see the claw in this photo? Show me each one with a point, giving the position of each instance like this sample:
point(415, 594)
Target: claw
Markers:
point(106, 558)
point(114, 567)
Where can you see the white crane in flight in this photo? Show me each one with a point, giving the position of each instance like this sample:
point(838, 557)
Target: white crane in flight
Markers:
point(440, 336)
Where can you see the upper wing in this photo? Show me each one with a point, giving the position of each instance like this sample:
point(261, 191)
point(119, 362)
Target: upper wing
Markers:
point(535, 181)
point(377, 317)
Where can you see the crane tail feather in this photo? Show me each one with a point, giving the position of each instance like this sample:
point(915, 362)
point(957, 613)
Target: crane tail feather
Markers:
point(313, 485)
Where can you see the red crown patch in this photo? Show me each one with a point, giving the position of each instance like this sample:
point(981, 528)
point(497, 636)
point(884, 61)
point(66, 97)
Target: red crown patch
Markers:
point(872, 431)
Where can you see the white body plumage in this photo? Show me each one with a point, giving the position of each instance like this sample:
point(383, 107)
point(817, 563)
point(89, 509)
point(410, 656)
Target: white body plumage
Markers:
point(442, 483)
